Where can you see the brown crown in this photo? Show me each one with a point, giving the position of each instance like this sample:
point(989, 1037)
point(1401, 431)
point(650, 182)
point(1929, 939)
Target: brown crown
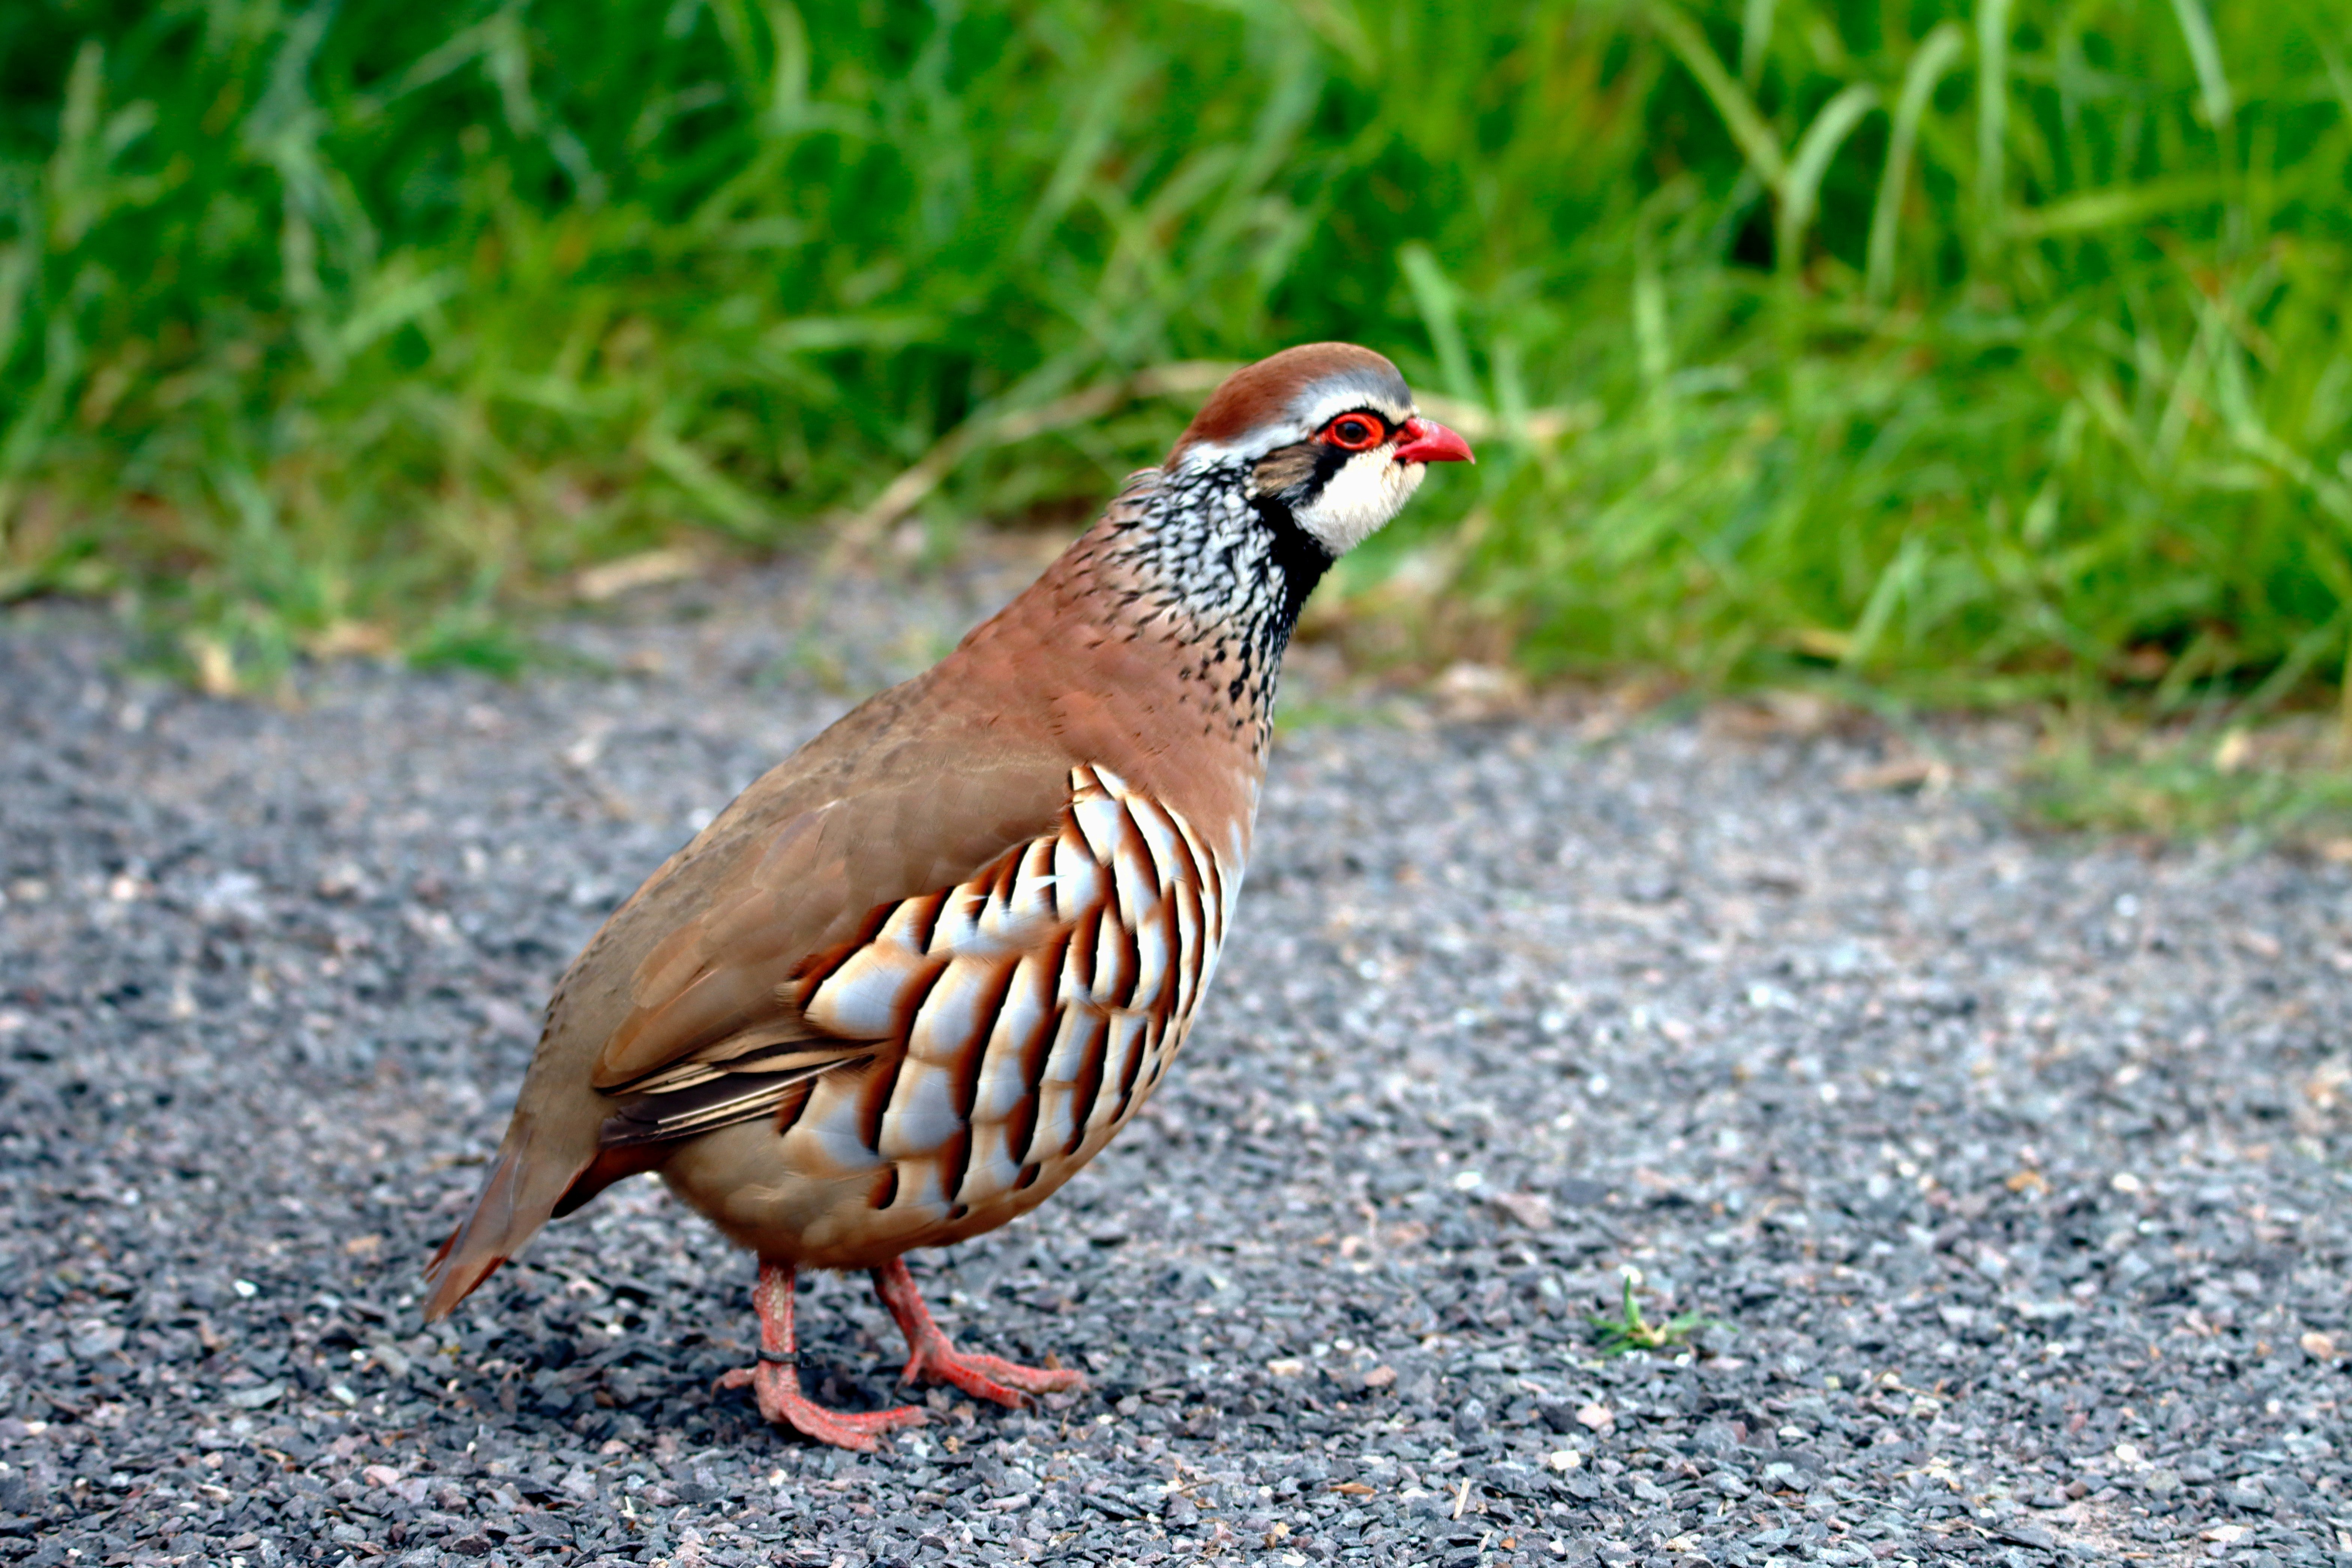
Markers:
point(1264, 392)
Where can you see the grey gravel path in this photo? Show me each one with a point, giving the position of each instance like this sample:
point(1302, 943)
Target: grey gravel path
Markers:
point(2015, 1169)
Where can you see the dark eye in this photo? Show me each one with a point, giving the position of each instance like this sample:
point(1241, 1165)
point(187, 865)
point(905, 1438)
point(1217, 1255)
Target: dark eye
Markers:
point(1355, 432)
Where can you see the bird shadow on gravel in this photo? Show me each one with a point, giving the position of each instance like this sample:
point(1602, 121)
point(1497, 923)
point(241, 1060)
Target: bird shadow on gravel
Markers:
point(2011, 1169)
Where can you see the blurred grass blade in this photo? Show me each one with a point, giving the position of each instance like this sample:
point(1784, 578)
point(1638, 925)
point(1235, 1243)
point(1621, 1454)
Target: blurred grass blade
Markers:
point(2338, 76)
point(1899, 582)
point(1755, 138)
point(2205, 54)
point(18, 266)
point(2307, 651)
point(1653, 343)
point(37, 419)
point(1440, 305)
point(1818, 145)
point(1936, 55)
point(1755, 38)
point(2090, 211)
point(1336, 21)
point(1992, 113)
point(721, 500)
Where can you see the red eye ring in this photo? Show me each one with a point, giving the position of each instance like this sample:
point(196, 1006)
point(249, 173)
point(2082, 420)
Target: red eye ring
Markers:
point(1355, 432)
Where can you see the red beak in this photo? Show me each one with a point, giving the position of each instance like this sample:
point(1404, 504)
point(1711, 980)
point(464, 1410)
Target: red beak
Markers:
point(1427, 441)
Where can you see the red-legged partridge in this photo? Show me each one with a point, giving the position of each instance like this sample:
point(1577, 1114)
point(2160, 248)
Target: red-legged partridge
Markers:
point(913, 979)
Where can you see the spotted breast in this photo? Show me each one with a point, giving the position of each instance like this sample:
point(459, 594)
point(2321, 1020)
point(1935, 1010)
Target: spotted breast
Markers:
point(1005, 1030)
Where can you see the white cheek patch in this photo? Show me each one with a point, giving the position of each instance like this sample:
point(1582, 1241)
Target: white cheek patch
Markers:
point(1369, 489)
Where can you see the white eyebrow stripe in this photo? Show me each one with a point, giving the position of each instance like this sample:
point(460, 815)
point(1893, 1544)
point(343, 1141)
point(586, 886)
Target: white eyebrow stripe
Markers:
point(1275, 433)
point(1341, 400)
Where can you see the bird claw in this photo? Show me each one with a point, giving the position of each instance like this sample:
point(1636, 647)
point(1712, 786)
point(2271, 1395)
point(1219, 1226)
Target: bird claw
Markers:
point(985, 1377)
point(930, 1354)
point(778, 1392)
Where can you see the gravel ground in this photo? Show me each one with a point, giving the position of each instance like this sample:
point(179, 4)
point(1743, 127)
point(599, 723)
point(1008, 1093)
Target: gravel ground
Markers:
point(2011, 1172)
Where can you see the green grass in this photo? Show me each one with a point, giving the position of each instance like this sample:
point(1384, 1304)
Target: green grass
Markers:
point(2284, 782)
point(1970, 353)
point(1628, 1330)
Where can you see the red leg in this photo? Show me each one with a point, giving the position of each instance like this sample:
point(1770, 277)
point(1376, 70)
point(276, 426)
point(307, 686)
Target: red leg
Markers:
point(775, 1379)
point(929, 1354)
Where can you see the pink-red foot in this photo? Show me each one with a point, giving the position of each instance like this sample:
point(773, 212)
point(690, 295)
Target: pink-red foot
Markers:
point(987, 1376)
point(778, 1391)
point(775, 1381)
point(930, 1356)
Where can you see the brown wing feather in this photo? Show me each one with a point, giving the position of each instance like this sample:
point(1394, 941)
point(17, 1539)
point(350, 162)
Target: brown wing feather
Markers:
point(714, 1102)
point(697, 973)
point(723, 978)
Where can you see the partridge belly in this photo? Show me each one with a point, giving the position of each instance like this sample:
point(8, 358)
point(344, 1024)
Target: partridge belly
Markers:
point(1020, 1018)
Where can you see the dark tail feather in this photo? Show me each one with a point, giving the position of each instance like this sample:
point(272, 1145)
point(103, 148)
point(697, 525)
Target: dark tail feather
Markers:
point(610, 1165)
point(517, 1198)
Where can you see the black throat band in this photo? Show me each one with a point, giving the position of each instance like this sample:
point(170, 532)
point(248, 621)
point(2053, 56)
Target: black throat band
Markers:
point(1299, 556)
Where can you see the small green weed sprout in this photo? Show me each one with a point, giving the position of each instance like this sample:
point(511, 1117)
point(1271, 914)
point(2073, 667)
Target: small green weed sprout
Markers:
point(1628, 1330)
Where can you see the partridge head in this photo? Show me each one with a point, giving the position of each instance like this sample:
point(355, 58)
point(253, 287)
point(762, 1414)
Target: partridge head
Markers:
point(919, 974)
